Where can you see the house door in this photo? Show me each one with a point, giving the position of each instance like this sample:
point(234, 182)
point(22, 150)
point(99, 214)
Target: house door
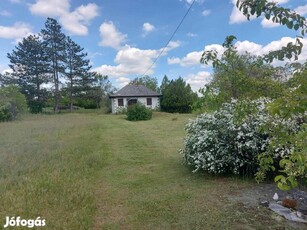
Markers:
point(132, 101)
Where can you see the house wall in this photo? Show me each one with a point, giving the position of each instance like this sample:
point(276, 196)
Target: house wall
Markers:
point(117, 109)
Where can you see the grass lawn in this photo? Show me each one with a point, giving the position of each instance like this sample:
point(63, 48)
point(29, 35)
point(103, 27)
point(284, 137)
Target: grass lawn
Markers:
point(93, 171)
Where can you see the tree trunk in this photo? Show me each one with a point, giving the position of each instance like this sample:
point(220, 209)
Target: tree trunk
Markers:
point(70, 96)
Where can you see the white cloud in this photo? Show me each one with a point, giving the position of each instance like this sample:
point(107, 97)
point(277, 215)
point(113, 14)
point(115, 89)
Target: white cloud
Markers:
point(173, 60)
point(206, 12)
point(122, 81)
point(129, 61)
point(247, 46)
point(302, 10)
point(49, 8)
point(110, 36)
point(198, 80)
point(5, 70)
point(171, 45)
point(269, 23)
point(193, 58)
point(279, 1)
point(236, 16)
point(17, 31)
point(134, 61)
point(147, 28)
point(258, 49)
point(76, 22)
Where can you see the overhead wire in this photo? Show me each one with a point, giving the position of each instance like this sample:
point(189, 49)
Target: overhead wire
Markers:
point(169, 40)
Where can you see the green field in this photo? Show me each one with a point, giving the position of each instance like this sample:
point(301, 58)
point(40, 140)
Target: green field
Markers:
point(94, 171)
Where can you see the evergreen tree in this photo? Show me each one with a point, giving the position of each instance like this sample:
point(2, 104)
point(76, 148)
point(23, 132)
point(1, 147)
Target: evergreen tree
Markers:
point(29, 64)
point(55, 41)
point(164, 83)
point(178, 97)
point(76, 68)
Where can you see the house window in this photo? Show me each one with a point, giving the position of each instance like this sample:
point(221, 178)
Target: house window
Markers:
point(132, 101)
point(120, 102)
point(149, 101)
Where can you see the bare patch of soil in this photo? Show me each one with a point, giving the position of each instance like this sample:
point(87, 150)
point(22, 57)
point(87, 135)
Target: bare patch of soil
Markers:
point(253, 196)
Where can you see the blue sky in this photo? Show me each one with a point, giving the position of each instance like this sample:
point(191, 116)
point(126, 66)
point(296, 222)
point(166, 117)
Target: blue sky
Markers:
point(123, 38)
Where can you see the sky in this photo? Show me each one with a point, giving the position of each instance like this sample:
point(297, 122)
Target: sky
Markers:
point(123, 38)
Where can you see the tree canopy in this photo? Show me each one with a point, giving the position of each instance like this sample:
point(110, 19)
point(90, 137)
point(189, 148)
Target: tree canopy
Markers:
point(177, 96)
point(149, 82)
point(51, 69)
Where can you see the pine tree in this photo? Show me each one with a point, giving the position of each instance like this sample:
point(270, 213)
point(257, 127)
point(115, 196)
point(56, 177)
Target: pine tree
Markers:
point(76, 69)
point(164, 83)
point(30, 67)
point(178, 97)
point(55, 41)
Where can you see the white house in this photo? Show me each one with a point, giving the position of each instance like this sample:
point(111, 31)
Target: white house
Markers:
point(132, 94)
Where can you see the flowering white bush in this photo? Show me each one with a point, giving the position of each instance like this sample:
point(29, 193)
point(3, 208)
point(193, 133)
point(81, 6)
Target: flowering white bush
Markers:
point(228, 140)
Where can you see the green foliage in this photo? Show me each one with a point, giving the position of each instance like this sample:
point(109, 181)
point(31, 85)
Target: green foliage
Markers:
point(238, 76)
point(293, 165)
point(266, 164)
point(165, 82)
point(54, 41)
point(149, 82)
point(12, 103)
point(76, 69)
point(48, 58)
point(5, 112)
point(138, 112)
point(292, 104)
point(243, 76)
point(102, 91)
point(294, 168)
point(294, 100)
point(286, 150)
point(30, 66)
point(177, 97)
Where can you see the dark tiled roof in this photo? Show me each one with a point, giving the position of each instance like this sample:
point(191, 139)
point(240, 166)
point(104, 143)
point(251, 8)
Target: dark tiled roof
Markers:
point(135, 91)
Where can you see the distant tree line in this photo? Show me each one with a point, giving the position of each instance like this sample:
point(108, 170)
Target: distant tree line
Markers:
point(52, 70)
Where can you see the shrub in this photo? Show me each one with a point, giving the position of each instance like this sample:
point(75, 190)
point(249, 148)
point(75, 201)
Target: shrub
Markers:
point(227, 140)
point(12, 103)
point(242, 137)
point(286, 151)
point(5, 113)
point(138, 112)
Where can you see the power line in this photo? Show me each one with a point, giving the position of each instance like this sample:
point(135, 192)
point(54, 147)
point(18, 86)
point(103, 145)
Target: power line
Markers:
point(169, 40)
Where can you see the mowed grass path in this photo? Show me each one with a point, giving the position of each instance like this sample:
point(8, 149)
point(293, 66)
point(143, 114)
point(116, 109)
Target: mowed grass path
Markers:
point(93, 171)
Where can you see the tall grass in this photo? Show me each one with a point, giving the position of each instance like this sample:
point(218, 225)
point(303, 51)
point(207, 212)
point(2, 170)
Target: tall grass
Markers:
point(92, 171)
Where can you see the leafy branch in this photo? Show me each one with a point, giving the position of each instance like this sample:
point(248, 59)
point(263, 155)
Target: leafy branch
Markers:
point(282, 16)
point(277, 14)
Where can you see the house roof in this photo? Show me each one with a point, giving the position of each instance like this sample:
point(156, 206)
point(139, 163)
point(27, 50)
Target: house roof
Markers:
point(135, 91)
